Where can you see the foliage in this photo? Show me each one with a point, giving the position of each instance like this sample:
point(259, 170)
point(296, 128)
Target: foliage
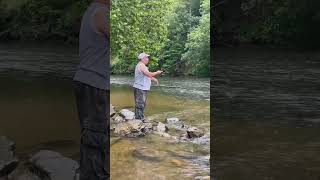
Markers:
point(198, 44)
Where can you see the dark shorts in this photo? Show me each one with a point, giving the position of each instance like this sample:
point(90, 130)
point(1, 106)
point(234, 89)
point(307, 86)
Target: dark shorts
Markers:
point(93, 111)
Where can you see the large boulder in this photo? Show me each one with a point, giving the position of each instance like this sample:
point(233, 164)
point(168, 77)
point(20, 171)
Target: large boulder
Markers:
point(127, 114)
point(8, 160)
point(57, 166)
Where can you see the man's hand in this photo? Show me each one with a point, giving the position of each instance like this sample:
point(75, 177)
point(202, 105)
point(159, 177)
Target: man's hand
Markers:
point(159, 72)
point(155, 80)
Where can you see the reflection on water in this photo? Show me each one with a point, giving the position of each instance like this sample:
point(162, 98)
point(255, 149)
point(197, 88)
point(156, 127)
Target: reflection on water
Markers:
point(266, 114)
point(38, 111)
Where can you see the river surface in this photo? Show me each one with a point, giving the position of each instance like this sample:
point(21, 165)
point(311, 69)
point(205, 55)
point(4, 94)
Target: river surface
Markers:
point(38, 111)
point(267, 116)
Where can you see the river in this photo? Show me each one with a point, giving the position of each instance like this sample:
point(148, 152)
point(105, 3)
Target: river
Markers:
point(38, 111)
point(266, 110)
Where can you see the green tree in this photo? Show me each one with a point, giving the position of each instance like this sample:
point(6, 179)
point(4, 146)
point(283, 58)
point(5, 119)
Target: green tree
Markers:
point(180, 22)
point(198, 44)
point(137, 26)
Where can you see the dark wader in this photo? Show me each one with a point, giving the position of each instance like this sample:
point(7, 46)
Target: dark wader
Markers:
point(93, 110)
point(140, 97)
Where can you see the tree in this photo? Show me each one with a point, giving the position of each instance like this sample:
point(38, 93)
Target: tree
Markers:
point(197, 55)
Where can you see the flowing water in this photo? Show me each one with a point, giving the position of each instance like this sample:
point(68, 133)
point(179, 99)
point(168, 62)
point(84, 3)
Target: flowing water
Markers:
point(38, 111)
point(267, 117)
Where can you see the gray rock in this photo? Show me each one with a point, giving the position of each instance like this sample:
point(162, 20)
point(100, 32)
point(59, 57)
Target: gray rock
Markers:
point(127, 114)
point(28, 171)
point(161, 127)
point(112, 111)
point(57, 166)
point(8, 160)
point(203, 140)
point(132, 128)
point(179, 126)
point(194, 132)
point(172, 120)
point(162, 134)
point(118, 119)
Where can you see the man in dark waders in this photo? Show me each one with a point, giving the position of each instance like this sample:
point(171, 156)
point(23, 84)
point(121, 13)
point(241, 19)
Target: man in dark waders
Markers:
point(142, 84)
point(91, 83)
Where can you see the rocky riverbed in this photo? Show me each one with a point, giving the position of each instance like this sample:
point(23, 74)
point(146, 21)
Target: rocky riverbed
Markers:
point(124, 124)
point(50, 165)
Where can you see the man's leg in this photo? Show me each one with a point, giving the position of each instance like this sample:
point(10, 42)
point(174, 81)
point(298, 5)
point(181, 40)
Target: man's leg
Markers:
point(139, 103)
point(93, 111)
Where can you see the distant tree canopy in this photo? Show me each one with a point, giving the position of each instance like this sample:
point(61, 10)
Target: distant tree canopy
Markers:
point(290, 23)
point(176, 33)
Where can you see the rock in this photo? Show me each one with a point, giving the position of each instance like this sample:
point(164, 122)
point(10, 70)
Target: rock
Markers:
point(118, 119)
point(179, 126)
point(172, 120)
point(127, 114)
point(112, 111)
point(57, 166)
point(202, 178)
point(132, 128)
point(8, 160)
point(28, 171)
point(162, 134)
point(147, 154)
point(162, 127)
point(135, 124)
point(203, 140)
point(194, 132)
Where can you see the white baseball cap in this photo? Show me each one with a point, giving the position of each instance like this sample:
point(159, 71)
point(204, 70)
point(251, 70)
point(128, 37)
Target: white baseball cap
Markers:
point(143, 55)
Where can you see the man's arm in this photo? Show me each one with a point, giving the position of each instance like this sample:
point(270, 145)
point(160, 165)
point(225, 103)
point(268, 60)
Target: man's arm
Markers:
point(145, 71)
point(101, 21)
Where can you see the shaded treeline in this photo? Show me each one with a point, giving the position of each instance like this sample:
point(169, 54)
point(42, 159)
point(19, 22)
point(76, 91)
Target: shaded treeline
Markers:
point(286, 23)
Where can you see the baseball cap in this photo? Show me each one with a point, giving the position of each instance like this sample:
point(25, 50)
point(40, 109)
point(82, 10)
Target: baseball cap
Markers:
point(143, 55)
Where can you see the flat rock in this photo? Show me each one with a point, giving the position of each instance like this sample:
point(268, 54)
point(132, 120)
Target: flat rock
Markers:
point(127, 114)
point(57, 166)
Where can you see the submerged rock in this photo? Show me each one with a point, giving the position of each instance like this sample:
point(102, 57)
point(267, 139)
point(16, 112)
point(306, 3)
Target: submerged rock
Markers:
point(8, 160)
point(127, 114)
point(146, 154)
point(57, 166)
